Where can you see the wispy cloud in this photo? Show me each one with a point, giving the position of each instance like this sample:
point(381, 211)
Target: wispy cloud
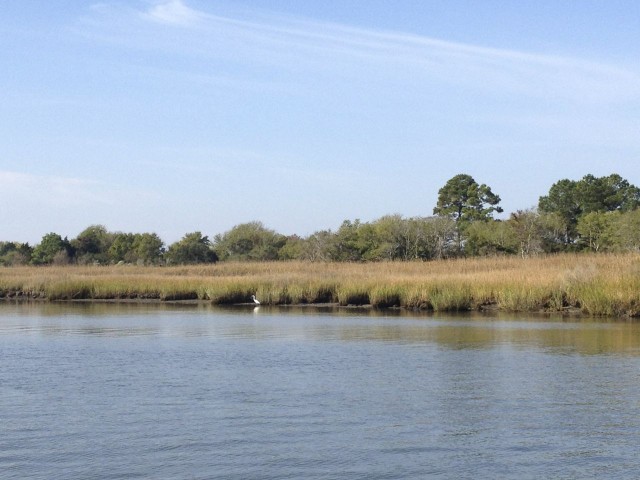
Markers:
point(297, 44)
point(52, 191)
point(47, 190)
point(173, 12)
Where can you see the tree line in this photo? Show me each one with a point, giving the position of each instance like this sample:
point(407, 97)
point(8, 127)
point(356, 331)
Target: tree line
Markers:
point(593, 214)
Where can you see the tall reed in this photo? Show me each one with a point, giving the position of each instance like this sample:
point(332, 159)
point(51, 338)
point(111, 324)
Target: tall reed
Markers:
point(600, 284)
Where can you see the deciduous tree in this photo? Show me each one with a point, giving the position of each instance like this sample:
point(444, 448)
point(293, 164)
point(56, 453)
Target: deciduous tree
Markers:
point(596, 230)
point(92, 245)
point(249, 241)
point(192, 248)
point(51, 244)
point(15, 253)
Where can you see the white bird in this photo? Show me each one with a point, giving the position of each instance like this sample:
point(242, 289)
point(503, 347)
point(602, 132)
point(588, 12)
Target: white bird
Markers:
point(255, 300)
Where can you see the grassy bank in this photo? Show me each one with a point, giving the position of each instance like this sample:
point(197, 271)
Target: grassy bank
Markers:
point(593, 284)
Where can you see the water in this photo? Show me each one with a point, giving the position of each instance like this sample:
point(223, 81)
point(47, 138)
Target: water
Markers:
point(163, 392)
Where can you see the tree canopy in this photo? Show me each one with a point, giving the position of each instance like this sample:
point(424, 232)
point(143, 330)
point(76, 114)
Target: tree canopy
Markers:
point(464, 200)
point(52, 247)
point(571, 199)
point(249, 241)
point(591, 214)
point(192, 248)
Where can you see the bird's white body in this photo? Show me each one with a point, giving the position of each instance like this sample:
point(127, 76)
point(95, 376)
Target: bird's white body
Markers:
point(255, 300)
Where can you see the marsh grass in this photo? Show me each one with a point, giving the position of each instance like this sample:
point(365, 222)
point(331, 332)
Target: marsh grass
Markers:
point(594, 284)
point(451, 297)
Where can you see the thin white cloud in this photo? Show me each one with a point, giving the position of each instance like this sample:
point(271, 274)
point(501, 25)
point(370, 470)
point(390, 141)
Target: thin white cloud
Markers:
point(21, 187)
point(299, 45)
point(53, 191)
point(173, 12)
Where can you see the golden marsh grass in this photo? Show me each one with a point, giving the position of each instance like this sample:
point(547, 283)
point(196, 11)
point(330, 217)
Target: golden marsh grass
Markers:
point(595, 284)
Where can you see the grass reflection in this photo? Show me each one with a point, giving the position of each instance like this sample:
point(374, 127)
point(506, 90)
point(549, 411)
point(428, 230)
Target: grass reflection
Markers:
point(586, 336)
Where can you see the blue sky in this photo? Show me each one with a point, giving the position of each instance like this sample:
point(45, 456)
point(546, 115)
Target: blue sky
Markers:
point(183, 115)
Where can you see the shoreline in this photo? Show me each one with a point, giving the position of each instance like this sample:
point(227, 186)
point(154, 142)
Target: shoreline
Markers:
point(484, 309)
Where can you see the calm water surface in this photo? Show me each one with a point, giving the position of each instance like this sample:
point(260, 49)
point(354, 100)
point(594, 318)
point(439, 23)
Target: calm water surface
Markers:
point(162, 392)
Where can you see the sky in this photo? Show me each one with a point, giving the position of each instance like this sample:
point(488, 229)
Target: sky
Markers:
point(175, 116)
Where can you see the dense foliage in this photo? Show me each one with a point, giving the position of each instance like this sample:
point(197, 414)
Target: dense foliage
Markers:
point(573, 200)
point(192, 248)
point(591, 214)
point(466, 202)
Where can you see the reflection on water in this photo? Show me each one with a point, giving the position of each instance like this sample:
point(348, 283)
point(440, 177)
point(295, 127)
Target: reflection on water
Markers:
point(172, 391)
point(474, 330)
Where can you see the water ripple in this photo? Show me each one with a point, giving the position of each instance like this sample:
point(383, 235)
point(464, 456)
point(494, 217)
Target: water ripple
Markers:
point(315, 398)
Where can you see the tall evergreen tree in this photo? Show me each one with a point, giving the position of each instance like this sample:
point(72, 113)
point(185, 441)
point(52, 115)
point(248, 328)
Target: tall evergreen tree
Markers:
point(465, 201)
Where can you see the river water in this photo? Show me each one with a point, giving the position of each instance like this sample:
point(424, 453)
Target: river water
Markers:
point(125, 391)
